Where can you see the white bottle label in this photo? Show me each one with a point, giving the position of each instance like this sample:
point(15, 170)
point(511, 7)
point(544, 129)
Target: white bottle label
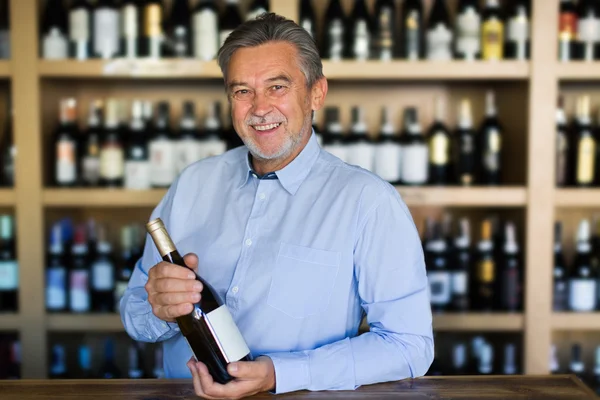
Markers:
point(9, 275)
point(111, 163)
point(362, 154)
point(338, 150)
point(211, 148)
point(582, 294)
point(187, 152)
point(228, 334)
point(106, 32)
point(223, 35)
point(439, 40)
point(79, 291)
point(91, 169)
point(468, 26)
point(307, 25)
point(518, 29)
point(414, 163)
point(588, 29)
point(336, 40)
point(162, 162)
point(79, 26)
point(137, 175)
point(459, 282)
point(66, 167)
point(56, 291)
point(103, 277)
point(55, 46)
point(362, 43)
point(387, 162)
point(129, 21)
point(206, 31)
point(439, 287)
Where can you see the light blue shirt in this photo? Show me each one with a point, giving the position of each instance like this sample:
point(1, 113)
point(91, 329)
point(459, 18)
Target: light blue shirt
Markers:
point(298, 260)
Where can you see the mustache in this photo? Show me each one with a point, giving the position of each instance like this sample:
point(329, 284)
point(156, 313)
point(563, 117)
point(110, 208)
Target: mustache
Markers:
point(265, 120)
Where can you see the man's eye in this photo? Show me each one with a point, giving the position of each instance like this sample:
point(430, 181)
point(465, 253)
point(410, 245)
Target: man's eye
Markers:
point(241, 92)
point(278, 87)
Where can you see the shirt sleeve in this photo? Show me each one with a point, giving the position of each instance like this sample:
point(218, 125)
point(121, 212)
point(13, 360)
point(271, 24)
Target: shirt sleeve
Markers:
point(392, 284)
point(136, 312)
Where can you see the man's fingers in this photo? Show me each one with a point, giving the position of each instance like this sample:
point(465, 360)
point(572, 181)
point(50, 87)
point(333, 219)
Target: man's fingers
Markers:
point(172, 312)
point(245, 370)
point(209, 386)
point(191, 260)
point(168, 270)
point(168, 299)
point(191, 364)
point(164, 285)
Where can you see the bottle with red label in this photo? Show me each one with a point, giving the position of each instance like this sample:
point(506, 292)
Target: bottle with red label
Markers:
point(65, 145)
point(567, 30)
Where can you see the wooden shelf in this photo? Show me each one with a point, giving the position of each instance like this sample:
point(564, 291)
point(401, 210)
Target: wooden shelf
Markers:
point(58, 198)
point(122, 68)
point(458, 196)
point(84, 323)
point(473, 322)
point(577, 198)
point(425, 70)
point(578, 71)
point(9, 322)
point(5, 69)
point(573, 321)
point(7, 197)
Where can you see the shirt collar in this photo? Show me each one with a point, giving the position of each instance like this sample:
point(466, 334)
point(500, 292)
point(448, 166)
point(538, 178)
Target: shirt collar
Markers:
point(293, 174)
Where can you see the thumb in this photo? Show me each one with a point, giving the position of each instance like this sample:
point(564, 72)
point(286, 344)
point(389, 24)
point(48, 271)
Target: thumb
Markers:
point(191, 260)
point(243, 369)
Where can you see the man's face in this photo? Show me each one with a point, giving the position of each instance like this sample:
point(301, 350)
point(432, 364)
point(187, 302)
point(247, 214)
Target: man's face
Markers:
point(270, 103)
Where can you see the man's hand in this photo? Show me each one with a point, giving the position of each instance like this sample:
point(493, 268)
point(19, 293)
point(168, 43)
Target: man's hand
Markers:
point(251, 377)
point(172, 289)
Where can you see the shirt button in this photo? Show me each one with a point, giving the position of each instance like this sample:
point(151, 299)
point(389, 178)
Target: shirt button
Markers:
point(235, 289)
point(262, 196)
point(248, 242)
point(254, 175)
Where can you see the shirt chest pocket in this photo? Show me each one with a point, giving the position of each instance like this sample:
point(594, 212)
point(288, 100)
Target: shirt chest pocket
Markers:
point(303, 280)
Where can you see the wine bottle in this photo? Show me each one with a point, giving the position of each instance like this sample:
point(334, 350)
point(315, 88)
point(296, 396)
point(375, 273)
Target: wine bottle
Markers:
point(438, 274)
point(596, 377)
point(130, 38)
point(334, 141)
point(79, 274)
point(8, 150)
point(5, 29)
point(211, 142)
point(584, 145)
point(181, 32)
point(13, 370)
point(477, 344)
point(158, 371)
point(56, 272)
point(106, 29)
point(492, 32)
point(385, 30)
point(335, 32)
point(576, 365)
point(90, 158)
point(461, 267)
point(257, 8)
point(112, 159)
point(307, 18)
point(58, 362)
point(459, 359)
point(103, 274)
point(126, 263)
point(485, 275)
point(206, 30)
point(152, 45)
point(464, 148)
point(80, 30)
point(468, 30)
point(559, 293)
point(9, 268)
point(490, 146)
point(84, 357)
point(209, 329)
point(360, 30)
point(588, 30)
point(412, 30)
point(55, 42)
point(135, 368)
point(109, 370)
point(567, 30)
point(486, 360)
point(562, 146)
point(510, 363)
point(361, 150)
point(137, 158)
point(510, 273)
point(517, 32)
point(582, 283)
point(65, 145)
point(439, 33)
point(162, 154)
point(188, 148)
point(230, 19)
point(554, 364)
point(388, 150)
point(439, 147)
point(415, 151)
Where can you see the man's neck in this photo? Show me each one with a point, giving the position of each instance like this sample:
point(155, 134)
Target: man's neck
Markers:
point(263, 167)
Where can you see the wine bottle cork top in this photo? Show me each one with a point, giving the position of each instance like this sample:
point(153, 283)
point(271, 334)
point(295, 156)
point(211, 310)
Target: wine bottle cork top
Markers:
point(160, 236)
point(154, 225)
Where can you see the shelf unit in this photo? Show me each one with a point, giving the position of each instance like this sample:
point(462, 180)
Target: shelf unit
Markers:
point(535, 195)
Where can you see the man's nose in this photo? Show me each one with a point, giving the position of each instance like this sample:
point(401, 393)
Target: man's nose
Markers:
point(261, 105)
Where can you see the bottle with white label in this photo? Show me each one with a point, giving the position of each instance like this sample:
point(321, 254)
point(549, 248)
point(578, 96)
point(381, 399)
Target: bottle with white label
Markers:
point(334, 141)
point(153, 36)
point(584, 145)
point(468, 28)
point(490, 144)
point(415, 152)
point(386, 41)
point(137, 158)
point(439, 33)
point(307, 17)
point(211, 140)
point(9, 268)
point(334, 34)
point(438, 273)
point(459, 359)
point(103, 274)
point(439, 147)
point(582, 282)
point(4, 29)
point(486, 359)
point(180, 37)
point(162, 150)
point(112, 161)
point(90, 153)
point(554, 363)
point(56, 272)
point(257, 8)
point(79, 274)
point(55, 41)
point(209, 329)
point(188, 147)
point(588, 30)
point(510, 272)
point(80, 30)
point(360, 32)
point(510, 359)
point(461, 267)
point(106, 29)
point(517, 32)
point(130, 29)
point(230, 19)
point(65, 145)
point(361, 149)
point(576, 365)
point(205, 25)
point(388, 150)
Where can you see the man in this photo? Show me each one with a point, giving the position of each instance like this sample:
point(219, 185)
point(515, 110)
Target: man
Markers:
point(297, 242)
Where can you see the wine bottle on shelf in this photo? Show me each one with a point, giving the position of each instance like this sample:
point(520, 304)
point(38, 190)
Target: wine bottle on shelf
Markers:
point(13, 370)
point(8, 150)
point(90, 157)
point(584, 145)
point(464, 149)
point(490, 145)
point(205, 21)
point(209, 329)
point(103, 274)
point(596, 377)
point(554, 363)
point(230, 19)
point(109, 369)
point(130, 38)
point(388, 150)
point(492, 32)
point(153, 36)
point(439, 147)
point(79, 274)
point(334, 33)
point(158, 371)
point(84, 356)
point(162, 154)
point(415, 157)
point(65, 145)
point(486, 360)
point(459, 359)
point(55, 42)
point(361, 150)
point(588, 30)
point(360, 33)
point(560, 293)
point(461, 267)
point(436, 368)
point(517, 32)
point(439, 33)
point(438, 274)
point(9, 268)
point(412, 30)
point(126, 264)
point(576, 365)
point(582, 282)
point(211, 141)
point(112, 159)
point(510, 273)
point(56, 272)
point(58, 362)
point(510, 362)
point(137, 158)
point(307, 18)
point(135, 368)
point(92, 237)
point(106, 29)
point(188, 148)
point(257, 8)
point(181, 32)
point(562, 146)
point(333, 138)
point(567, 30)
point(4, 29)
point(468, 31)
point(385, 30)
point(80, 30)
point(485, 275)
point(477, 343)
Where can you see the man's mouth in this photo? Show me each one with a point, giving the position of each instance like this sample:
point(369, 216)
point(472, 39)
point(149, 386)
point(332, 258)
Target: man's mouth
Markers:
point(266, 128)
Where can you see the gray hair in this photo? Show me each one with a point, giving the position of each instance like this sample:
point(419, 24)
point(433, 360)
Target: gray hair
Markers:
point(270, 27)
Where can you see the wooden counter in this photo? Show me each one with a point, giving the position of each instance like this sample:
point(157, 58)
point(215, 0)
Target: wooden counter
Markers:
point(473, 387)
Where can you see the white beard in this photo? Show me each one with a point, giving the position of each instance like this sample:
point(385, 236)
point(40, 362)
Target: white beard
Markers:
point(287, 147)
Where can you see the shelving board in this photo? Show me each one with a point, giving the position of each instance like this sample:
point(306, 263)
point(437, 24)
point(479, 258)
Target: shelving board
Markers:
point(577, 198)
point(578, 71)
point(9, 322)
point(463, 197)
point(572, 321)
point(5, 69)
point(84, 323)
point(7, 197)
point(473, 322)
point(58, 198)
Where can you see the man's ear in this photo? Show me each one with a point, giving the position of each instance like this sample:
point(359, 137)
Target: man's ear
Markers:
point(318, 94)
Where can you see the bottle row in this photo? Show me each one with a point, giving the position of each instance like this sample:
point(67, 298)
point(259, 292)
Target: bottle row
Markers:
point(488, 278)
point(133, 28)
point(590, 374)
point(488, 33)
point(10, 357)
point(579, 30)
point(468, 156)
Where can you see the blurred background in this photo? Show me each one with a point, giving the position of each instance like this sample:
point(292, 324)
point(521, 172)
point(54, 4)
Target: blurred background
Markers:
point(483, 113)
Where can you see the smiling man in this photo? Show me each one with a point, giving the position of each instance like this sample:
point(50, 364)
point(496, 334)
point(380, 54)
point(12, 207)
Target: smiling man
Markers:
point(298, 243)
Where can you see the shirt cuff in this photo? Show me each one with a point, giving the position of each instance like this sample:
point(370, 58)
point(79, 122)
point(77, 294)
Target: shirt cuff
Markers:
point(292, 371)
point(158, 328)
